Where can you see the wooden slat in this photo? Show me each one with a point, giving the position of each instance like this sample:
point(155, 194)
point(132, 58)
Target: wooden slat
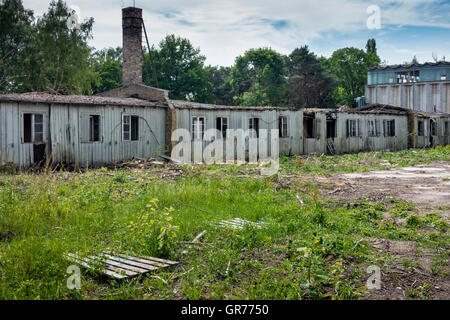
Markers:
point(76, 259)
point(94, 260)
point(169, 262)
point(132, 265)
point(199, 236)
point(97, 260)
point(126, 267)
point(239, 223)
point(121, 266)
point(145, 261)
point(150, 260)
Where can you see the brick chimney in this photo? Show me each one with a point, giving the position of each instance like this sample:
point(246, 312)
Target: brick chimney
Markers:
point(132, 46)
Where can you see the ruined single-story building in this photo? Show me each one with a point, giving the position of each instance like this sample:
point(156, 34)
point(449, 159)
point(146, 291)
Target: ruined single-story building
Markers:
point(137, 121)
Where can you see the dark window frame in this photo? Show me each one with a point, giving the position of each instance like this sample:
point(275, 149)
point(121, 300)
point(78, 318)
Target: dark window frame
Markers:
point(94, 128)
point(283, 127)
point(420, 128)
point(222, 125)
point(130, 127)
point(253, 124)
point(373, 127)
point(389, 128)
point(353, 128)
point(194, 127)
point(33, 127)
point(433, 128)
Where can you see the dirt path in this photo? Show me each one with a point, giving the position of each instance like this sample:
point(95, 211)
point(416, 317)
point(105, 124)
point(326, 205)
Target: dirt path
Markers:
point(428, 186)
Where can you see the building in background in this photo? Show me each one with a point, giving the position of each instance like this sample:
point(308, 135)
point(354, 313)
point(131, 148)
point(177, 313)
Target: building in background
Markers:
point(422, 87)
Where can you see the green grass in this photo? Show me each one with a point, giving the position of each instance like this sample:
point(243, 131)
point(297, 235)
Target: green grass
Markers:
point(314, 250)
point(364, 161)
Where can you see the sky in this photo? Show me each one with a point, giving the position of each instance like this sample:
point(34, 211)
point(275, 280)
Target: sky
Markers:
point(225, 29)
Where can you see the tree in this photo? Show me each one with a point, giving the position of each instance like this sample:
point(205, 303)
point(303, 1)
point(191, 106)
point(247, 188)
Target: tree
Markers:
point(220, 78)
point(57, 57)
point(350, 65)
point(309, 84)
point(15, 33)
point(372, 59)
point(180, 69)
point(371, 46)
point(107, 65)
point(259, 78)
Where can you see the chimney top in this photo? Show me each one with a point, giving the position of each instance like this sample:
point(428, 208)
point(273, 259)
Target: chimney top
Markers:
point(132, 46)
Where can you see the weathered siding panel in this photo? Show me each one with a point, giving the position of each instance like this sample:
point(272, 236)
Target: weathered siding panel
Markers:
point(68, 129)
point(13, 149)
point(427, 97)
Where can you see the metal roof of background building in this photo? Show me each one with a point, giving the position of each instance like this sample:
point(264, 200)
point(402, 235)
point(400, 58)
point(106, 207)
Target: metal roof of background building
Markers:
point(411, 66)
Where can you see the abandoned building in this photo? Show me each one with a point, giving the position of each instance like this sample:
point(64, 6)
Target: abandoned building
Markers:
point(421, 87)
point(137, 121)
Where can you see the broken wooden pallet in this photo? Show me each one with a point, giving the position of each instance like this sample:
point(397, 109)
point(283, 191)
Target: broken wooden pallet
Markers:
point(120, 266)
point(238, 223)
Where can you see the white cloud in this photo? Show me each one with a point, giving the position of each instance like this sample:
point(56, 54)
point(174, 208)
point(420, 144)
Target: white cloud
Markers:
point(225, 29)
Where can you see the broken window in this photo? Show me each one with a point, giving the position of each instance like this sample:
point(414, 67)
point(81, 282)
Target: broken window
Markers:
point(331, 128)
point(446, 130)
point(443, 77)
point(433, 127)
point(253, 125)
point(33, 127)
point(407, 76)
point(420, 128)
point(94, 128)
point(222, 125)
point(282, 127)
point(198, 128)
point(130, 128)
point(353, 128)
point(389, 128)
point(374, 130)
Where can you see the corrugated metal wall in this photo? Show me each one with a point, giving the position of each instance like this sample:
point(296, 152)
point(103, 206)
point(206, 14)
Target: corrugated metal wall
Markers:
point(67, 124)
point(63, 126)
point(364, 142)
point(12, 147)
point(428, 97)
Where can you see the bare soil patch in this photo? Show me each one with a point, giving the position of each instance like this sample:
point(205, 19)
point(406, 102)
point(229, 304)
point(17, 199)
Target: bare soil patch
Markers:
point(410, 274)
point(428, 186)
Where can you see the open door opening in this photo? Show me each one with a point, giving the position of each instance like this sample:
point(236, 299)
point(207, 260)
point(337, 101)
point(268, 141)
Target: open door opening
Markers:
point(39, 153)
point(331, 128)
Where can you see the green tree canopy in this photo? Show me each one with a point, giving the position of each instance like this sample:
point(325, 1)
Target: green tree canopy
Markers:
point(349, 65)
point(220, 78)
point(107, 65)
point(309, 83)
point(259, 78)
point(15, 33)
point(58, 55)
point(180, 69)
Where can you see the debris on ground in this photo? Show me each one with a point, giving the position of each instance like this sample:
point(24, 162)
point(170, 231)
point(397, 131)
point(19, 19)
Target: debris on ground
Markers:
point(120, 266)
point(238, 223)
